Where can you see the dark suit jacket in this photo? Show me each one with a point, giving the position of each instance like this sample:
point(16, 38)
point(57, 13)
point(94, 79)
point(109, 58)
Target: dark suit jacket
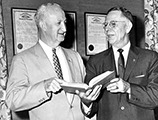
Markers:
point(142, 74)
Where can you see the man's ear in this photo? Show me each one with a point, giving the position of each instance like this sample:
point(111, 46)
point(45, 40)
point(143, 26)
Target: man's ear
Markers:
point(128, 26)
point(42, 25)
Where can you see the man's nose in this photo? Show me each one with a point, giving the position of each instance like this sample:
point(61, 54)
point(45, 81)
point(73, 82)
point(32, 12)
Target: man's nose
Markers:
point(107, 28)
point(63, 27)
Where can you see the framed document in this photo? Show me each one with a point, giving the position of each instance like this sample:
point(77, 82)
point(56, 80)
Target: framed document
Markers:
point(71, 33)
point(95, 36)
point(25, 30)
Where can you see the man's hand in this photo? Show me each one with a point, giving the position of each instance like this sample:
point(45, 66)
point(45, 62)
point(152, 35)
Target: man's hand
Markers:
point(118, 85)
point(53, 85)
point(90, 95)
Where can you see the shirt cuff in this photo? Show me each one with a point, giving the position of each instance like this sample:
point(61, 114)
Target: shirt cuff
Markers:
point(87, 109)
point(129, 92)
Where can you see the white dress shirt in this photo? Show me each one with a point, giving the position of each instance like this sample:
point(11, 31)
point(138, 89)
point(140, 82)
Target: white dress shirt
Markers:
point(63, 63)
point(125, 53)
point(62, 59)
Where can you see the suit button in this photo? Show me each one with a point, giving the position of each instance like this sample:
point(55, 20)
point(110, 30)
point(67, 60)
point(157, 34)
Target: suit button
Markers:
point(122, 107)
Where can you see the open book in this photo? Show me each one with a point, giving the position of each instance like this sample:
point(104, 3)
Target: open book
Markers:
point(103, 79)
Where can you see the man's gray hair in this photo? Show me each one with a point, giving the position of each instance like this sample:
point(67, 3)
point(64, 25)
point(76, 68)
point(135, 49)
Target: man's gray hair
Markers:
point(45, 10)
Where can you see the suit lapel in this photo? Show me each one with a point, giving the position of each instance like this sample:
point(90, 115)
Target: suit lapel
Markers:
point(48, 68)
point(43, 60)
point(70, 68)
point(131, 61)
point(70, 65)
point(110, 61)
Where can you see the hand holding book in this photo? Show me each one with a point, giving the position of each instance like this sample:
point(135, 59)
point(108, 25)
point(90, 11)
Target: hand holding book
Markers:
point(102, 79)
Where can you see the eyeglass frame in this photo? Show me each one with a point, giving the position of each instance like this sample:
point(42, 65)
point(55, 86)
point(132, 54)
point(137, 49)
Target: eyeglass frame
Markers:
point(105, 24)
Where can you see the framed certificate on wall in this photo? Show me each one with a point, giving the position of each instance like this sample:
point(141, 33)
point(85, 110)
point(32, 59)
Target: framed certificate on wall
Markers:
point(95, 36)
point(24, 29)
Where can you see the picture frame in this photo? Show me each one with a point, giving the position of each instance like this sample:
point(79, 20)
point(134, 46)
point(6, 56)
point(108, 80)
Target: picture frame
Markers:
point(70, 41)
point(25, 30)
point(94, 33)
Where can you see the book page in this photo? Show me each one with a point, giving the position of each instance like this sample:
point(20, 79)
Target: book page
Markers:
point(72, 87)
point(73, 84)
point(102, 78)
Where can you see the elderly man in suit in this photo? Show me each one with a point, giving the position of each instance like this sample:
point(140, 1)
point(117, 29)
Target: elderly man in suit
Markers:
point(133, 94)
point(33, 84)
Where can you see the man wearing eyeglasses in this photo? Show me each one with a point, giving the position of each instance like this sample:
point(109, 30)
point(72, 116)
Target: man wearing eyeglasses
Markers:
point(133, 94)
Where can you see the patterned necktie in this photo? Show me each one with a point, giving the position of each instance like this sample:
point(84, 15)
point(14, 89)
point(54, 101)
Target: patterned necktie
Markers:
point(57, 65)
point(121, 64)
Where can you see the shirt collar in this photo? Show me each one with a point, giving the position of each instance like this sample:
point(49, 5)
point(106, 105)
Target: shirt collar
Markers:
point(125, 48)
point(47, 49)
point(125, 52)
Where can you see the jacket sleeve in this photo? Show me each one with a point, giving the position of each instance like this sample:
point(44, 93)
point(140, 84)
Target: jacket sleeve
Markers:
point(20, 94)
point(90, 73)
point(145, 94)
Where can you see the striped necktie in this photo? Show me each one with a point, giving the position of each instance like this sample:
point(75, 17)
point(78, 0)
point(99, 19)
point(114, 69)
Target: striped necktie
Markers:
point(57, 65)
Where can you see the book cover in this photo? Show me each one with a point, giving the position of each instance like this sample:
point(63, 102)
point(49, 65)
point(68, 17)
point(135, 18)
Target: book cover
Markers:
point(72, 87)
point(103, 79)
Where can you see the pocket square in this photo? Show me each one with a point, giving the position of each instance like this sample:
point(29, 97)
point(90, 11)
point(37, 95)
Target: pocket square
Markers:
point(139, 76)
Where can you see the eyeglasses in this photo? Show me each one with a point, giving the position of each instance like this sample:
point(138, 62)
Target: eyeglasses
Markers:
point(112, 24)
